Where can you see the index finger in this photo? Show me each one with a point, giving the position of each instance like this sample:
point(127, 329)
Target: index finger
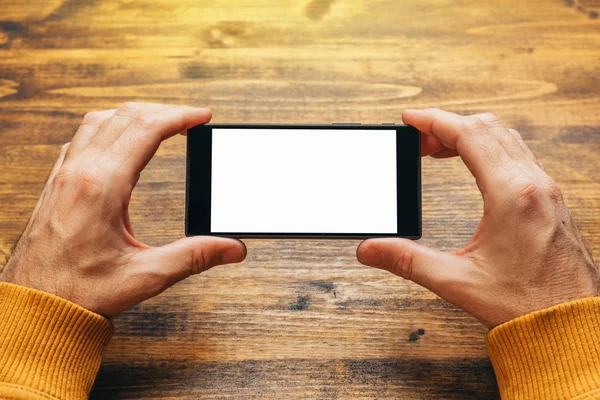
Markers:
point(137, 145)
point(479, 149)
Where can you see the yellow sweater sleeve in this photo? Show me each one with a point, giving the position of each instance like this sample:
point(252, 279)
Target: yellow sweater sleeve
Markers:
point(549, 354)
point(50, 348)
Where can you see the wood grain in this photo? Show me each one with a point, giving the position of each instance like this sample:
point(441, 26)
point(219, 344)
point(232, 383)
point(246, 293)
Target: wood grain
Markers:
point(300, 318)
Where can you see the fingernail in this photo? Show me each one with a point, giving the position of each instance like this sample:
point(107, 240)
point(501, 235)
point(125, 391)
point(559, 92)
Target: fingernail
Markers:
point(371, 256)
point(233, 254)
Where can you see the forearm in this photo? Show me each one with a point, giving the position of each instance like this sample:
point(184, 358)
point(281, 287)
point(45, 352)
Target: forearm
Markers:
point(49, 347)
point(549, 354)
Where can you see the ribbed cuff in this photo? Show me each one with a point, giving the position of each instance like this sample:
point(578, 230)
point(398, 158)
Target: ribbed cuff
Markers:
point(48, 344)
point(549, 354)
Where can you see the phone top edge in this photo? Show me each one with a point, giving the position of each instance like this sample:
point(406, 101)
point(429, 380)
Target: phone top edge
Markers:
point(305, 126)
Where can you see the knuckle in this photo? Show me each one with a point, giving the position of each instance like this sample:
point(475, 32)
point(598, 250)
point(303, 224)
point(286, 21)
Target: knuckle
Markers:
point(88, 184)
point(92, 118)
point(401, 264)
point(201, 260)
point(474, 124)
point(554, 191)
point(481, 123)
point(198, 261)
point(130, 109)
point(515, 133)
point(489, 118)
point(62, 177)
point(517, 136)
point(527, 196)
point(435, 125)
point(146, 119)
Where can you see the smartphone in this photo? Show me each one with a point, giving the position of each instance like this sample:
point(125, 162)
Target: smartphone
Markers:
point(304, 181)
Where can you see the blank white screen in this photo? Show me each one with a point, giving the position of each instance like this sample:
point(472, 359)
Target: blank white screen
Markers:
point(303, 181)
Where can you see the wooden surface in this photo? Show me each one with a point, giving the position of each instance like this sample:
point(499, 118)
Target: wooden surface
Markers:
point(300, 318)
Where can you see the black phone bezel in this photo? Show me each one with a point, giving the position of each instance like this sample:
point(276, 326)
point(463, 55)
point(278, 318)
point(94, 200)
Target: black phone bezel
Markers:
point(199, 171)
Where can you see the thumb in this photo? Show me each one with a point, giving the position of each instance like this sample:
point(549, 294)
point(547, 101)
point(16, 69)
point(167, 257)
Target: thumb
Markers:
point(430, 268)
point(191, 256)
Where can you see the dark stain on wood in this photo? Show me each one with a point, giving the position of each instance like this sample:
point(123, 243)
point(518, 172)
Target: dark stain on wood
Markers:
point(420, 304)
point(7, 125)
point(325, 286)
point(195, 70)
point(588, 7)
point(357, 304)
point(391, 304)
point(9, 30)
point(416, 335)
point(301, 304)
point(13, 27)
point(317, 9)
point(147, 321)
point(71, 8)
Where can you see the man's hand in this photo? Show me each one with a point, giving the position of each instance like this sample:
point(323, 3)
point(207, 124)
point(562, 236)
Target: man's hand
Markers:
point(526, 254)
point(79, 243)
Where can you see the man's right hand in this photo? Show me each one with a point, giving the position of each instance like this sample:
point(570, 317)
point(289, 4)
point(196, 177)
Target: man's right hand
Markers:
point(526, 254)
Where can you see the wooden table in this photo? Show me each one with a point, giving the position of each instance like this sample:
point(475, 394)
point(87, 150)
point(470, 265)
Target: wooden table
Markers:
point(300, 318)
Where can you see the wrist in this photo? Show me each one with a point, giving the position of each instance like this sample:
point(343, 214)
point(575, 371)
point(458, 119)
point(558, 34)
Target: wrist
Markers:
point(43, 279)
